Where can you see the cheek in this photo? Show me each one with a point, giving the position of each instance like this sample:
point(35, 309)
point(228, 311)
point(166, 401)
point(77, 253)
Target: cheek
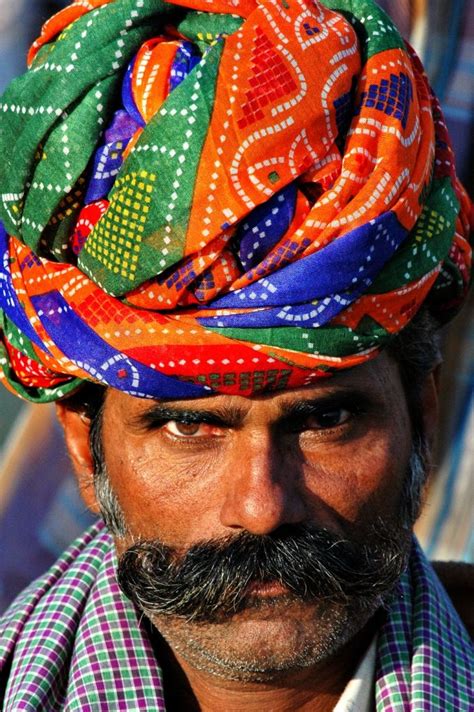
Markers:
point(166, 495)
point(355, 477)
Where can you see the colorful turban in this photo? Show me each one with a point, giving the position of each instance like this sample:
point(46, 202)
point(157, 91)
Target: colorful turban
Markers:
point(228, 196)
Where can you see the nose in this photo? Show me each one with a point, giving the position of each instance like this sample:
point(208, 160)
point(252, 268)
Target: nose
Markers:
point(263, 489)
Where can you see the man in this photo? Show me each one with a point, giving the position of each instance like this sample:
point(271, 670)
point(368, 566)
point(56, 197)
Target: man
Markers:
point(216, 217)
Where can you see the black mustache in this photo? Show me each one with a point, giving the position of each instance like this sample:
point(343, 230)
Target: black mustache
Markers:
point(210, 582)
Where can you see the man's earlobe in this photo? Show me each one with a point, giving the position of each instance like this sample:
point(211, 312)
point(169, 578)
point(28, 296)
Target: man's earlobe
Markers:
point(430, 405)
point(76, 428)
point(437, 372)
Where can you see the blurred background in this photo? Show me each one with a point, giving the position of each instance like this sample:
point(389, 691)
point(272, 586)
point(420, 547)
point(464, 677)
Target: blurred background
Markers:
point(40, 510)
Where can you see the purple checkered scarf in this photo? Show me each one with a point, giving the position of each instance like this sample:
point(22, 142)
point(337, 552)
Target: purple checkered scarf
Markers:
point(72, 641)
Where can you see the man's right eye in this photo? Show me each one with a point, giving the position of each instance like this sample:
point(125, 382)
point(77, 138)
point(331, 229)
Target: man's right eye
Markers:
point(187, 431)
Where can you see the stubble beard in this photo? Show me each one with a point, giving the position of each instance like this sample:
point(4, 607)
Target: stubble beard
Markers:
point(263, 640)
point(266, 656)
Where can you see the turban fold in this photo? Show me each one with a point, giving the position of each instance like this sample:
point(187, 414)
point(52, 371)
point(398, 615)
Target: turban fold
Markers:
point(228, 196)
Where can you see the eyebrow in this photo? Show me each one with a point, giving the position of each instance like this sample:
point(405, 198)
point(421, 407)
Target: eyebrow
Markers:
point(353, 399)
point(233, 416)
point(159, 413)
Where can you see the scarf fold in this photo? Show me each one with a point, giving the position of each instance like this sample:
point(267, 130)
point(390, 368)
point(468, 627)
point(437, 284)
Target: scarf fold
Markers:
point(73, 642)
point(214, 196)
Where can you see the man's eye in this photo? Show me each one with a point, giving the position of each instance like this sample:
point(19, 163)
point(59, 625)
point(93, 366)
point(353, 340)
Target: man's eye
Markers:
point(330, 418)
point(181, 429)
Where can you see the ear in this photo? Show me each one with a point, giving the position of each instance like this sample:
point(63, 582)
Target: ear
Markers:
point(76, 428)
point(430, 405)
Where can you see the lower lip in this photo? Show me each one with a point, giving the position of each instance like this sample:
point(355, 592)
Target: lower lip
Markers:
point(272, 589)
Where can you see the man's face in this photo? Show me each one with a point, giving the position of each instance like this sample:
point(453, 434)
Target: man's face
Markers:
point(331, 457)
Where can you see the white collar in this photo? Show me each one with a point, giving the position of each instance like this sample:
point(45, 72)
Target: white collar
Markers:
point(358, 695)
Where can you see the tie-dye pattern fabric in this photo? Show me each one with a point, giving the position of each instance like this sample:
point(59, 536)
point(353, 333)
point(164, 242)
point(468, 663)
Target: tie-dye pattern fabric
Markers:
point(72, 641)
point(220, 197)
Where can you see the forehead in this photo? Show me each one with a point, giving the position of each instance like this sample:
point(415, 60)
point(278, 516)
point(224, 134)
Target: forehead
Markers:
point(378, 379)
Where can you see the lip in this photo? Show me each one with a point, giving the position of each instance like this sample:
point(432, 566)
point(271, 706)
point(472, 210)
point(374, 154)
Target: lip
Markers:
point(266, 589)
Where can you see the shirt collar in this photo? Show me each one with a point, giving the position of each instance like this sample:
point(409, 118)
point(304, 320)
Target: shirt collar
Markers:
point(358, 695)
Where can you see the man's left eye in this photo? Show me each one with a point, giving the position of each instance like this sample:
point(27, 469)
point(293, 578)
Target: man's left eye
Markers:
point(330, 418)
point(181, 429)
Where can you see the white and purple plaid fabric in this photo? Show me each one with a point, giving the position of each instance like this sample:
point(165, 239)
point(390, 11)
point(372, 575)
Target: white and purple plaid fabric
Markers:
point(73, 642)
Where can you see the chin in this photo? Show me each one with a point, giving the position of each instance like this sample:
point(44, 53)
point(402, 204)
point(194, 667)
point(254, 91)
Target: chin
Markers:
point(267, 641)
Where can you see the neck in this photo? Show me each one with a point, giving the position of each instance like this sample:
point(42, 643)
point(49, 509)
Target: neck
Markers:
point(314, 689)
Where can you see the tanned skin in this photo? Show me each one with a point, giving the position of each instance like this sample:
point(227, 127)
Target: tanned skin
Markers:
point(334, 454)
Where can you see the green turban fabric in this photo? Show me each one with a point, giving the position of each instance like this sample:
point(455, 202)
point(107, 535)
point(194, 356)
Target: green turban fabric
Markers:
point(220, 197)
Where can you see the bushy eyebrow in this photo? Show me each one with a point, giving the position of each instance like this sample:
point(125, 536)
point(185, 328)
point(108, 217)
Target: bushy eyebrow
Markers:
point(353, 400)
point(234, 416)
point(159, 414)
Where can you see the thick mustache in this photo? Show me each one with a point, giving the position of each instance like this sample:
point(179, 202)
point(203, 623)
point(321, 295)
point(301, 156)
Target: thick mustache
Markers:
point(210, 581)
